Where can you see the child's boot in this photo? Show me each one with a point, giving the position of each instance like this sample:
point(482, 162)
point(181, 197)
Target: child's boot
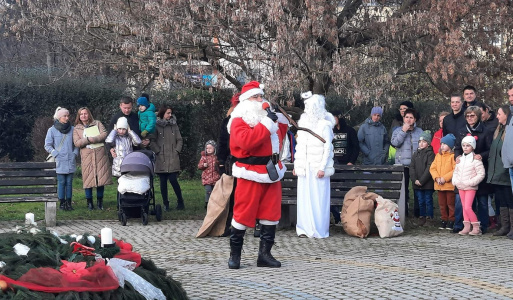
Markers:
point(476, 229)
point(466, 228)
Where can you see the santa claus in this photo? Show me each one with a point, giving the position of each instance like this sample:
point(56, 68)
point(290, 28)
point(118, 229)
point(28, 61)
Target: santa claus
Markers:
point(256, 132)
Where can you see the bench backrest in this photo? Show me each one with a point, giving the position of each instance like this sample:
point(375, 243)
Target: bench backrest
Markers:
point(385, 180)
point(23, 180)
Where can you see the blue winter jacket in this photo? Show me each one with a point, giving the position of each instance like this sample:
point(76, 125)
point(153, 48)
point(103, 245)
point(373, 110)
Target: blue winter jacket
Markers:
point(65, 156)
point(373, 140)
point(405, 144)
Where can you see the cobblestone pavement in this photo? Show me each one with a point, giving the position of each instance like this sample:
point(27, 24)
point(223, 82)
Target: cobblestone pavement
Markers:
point(428, 265)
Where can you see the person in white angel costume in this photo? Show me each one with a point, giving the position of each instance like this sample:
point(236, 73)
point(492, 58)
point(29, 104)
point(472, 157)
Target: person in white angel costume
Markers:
point(314, 166)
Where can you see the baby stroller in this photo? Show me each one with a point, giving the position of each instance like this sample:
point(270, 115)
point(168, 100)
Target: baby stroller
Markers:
point(136, 195)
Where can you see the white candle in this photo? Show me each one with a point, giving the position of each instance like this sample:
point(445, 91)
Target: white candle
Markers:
point(29, 218)
point(106, 235)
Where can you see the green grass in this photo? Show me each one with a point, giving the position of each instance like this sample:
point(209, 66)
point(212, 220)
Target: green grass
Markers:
point(192, 191)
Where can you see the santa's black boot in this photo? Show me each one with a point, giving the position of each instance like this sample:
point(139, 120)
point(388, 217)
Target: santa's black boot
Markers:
point(236, 241)
point(265, 258)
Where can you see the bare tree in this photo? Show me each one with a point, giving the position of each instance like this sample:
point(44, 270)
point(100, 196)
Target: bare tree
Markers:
point(361, 49)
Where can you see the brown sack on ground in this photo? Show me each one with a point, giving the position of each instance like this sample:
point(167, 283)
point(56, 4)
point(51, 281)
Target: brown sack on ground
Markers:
point(217, 209)
point(357, 211)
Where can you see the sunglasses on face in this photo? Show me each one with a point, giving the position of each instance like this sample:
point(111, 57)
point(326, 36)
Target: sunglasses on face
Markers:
point(470, 116)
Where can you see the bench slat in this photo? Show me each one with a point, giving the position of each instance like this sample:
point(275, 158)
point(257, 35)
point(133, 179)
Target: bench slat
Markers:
point(29, 199)
point(292, 194)
point(388, 176)
point(32, 190)
point(366, 168)
point(349, 185)
point(362, 176)
point(28, 182)
point(28, 165)
point(23, 173)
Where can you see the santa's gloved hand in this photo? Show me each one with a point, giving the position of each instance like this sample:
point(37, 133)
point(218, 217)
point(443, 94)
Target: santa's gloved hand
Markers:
point(272, 115)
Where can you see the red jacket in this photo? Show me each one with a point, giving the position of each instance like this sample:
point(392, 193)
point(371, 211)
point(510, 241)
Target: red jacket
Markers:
point(262, 140)
point(210, 174)
point(435, 143)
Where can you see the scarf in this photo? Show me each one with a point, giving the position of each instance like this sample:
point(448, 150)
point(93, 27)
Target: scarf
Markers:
point(164, 122)
point(63, 128)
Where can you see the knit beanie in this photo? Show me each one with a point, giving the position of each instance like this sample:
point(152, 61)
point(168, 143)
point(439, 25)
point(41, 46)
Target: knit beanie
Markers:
point(143, 101)
point(59, 112)
point(469, 140)
point(407, 103)
point(449, 140)
point(426, 136)
point(213, 143)
point(122, 122)
point(377, 110)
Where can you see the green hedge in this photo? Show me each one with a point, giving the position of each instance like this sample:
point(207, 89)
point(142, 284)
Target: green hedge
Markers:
point(28, 102)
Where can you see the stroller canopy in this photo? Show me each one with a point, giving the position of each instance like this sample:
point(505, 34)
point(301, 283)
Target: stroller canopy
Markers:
point(137, 162)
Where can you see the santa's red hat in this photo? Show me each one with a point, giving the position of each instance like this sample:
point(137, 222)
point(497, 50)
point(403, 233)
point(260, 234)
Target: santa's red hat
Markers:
point(251, 88)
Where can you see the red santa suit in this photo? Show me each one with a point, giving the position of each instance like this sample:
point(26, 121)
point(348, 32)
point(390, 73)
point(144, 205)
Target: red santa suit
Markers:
point(253, 141)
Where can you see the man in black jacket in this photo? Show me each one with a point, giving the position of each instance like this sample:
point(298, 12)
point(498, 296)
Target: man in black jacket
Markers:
point(125, 106)
point(455, 120)
point(345, 141)
point(346, 148)
point(469, 95)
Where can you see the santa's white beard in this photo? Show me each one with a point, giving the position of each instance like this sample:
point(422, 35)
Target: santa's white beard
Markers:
point(250, 111)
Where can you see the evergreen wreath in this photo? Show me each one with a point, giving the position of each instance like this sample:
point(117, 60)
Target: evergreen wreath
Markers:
point(48, 250)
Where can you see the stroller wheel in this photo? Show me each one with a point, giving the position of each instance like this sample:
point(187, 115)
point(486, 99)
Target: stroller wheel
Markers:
point(145, 218)
point(123, 219)
point(119, 215)
point(158, 212)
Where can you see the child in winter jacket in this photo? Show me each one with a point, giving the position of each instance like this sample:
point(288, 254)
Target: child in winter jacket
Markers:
point(210, 166)
point(121, 139)
point(469, 172)
point(423, 185)
point(147, 117)
point(441, 170)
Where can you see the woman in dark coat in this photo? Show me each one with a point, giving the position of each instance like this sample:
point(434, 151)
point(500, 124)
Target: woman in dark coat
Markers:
point(167, 144)
point(498, 176)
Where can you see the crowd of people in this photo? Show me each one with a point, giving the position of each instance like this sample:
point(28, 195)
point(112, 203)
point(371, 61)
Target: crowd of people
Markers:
point(468, 161)
point(94, 142)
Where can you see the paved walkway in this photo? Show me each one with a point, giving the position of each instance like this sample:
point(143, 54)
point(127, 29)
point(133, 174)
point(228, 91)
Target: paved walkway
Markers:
point(430, 265)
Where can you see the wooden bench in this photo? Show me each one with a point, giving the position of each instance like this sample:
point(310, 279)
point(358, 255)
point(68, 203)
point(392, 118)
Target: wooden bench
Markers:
point(385, 180)
point(30, 182)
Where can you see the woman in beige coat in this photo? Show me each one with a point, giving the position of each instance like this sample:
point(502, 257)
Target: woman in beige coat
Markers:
point(167, 143)
point(89, 135)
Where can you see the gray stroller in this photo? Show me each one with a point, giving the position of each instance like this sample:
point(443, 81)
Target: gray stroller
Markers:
point(136, 195)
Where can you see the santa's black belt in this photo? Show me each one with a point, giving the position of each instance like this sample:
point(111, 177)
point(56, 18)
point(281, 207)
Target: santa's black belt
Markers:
point(260, 160)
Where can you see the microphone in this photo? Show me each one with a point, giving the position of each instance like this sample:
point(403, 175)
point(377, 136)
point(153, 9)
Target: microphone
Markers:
point(266, 107)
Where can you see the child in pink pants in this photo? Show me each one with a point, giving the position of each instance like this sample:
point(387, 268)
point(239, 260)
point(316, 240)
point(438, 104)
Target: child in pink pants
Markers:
point(469, 172)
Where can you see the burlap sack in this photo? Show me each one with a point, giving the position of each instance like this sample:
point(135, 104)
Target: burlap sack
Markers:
point(387, 218)
point(357, 211)
point(217, 210)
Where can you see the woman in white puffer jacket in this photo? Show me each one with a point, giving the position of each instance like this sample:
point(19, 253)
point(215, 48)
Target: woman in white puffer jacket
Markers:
point(469, 172)
point(313, 165)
